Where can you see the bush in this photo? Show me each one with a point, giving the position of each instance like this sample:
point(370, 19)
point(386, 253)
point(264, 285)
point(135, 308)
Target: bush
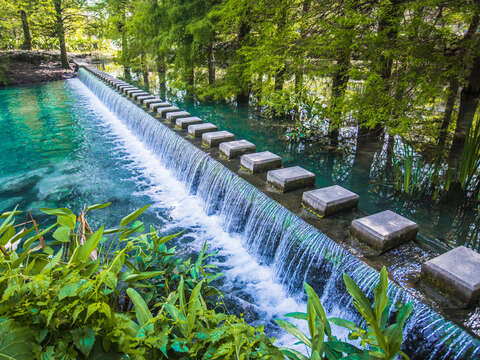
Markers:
point(68, 292)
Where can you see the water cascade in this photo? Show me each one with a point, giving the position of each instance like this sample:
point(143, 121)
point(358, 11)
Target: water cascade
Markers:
point(295, 250)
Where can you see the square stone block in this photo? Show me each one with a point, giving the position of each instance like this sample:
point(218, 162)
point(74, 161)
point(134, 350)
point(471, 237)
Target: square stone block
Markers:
point(457, 272)
point(384, 230)
point(137, 95)
point(154, 100)
point(184, 123)
point(132, 91)
point(260, 162)
point(197, 130)
point(156, 105)
point(214, 138)
point(173, 116)
point(233, 149)
point(329, 200)
point(141, 99)
point(163, 111)
point(290, 178)
point(124, 88)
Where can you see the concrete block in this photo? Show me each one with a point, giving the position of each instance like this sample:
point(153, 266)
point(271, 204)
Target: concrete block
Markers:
point(173, 116)
point(183, 123)
point(163, 111)
point(456, 272)
point(141, 99)
point(214, 138)
point(132, 90)
point(290, 178)
point(384, 230)
point(154, 100)
point(137, 95)
point(197, 130)
point(260, 162)
point(156, 105)
point(233, 149)
point(329, 200)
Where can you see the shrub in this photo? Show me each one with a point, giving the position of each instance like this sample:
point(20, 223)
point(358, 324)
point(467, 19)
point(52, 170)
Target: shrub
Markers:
point(68, 292)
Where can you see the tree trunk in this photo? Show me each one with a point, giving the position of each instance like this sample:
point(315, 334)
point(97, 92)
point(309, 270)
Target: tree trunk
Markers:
point(469, 100)
point(162, 72)
point(61, 33)
point(447, 115)
point(339, 85)
point(211, 65)
point(145, 71)
point(280, 79)
point(243, 96)
point(27, 37)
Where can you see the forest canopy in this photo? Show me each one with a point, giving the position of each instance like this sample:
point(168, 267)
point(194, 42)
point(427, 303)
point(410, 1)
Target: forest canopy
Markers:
point(409, 67)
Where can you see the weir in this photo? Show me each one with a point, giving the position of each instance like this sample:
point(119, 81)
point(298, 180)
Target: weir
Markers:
point(296, 250)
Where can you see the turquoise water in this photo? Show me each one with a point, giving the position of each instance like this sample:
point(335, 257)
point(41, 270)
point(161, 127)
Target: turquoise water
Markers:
point(62, 147)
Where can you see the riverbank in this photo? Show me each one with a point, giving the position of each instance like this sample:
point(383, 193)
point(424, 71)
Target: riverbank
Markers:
point(20, 67)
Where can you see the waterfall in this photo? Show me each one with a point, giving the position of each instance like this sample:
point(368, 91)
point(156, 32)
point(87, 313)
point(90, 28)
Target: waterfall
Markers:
point(295, 250)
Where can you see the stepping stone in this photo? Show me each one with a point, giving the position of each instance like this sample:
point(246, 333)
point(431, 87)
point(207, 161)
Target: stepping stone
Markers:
point(125, 91)
point(132, 90)
point(329, 200)
point(183, 123)
point(290, 178)
point(154, 106)
point(141, 99)
point(155, 100)
point(261, 161)
point(456, 272)
point(384, 230)
point(214, 138)
point(173, 116)
point(197, 130)
point(162, 111)
point(233, 149)
point(135, 96)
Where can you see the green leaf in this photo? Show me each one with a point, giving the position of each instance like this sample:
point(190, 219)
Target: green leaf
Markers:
point(86, 249)
point(292, 329)
point(293, 354)
point(84, 339)
point(67, 220)
point(361, 302)
point(98, 206)
point(143, 276)
point(129, 218)
point(316, 304)
point(62, 234)
point(16, 342)
point(141, 309)
point(381, 298)
point(56, 211)
point(297, 315)
point(71, 289)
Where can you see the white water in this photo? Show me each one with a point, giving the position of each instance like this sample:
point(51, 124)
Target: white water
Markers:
point(187, 211)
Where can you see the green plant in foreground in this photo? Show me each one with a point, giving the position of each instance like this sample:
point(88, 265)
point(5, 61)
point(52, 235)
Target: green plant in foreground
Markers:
point(68, 292)
point(378, 341)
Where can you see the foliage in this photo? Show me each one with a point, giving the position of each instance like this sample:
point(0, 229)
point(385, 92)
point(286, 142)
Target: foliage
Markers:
point(68, 292)
point(470, 160)
point(379, 340)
